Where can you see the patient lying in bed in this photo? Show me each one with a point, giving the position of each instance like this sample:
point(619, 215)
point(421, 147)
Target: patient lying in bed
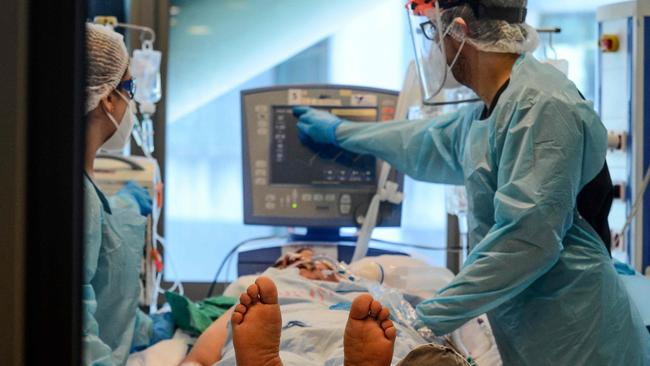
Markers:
point(305, 314)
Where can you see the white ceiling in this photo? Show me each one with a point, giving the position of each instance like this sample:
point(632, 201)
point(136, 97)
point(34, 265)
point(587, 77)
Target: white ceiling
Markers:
point(218, 44)
point(567, 6)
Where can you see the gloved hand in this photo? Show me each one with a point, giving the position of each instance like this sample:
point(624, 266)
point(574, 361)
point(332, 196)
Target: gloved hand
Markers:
point(320, 126)
point(140, 195)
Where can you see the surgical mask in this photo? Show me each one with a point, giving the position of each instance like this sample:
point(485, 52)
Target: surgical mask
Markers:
point(118, 141)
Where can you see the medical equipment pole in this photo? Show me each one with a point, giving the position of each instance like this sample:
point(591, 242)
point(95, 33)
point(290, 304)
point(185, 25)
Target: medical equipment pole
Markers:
point(454, 257)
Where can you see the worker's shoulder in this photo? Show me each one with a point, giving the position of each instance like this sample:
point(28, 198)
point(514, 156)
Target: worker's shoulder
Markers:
point(533, 82)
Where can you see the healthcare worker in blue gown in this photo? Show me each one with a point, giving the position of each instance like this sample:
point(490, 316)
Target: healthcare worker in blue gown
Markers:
point(532, 158)
point(114, 227)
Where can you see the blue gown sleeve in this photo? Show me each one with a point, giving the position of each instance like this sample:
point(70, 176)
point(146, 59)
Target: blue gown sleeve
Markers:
point(94, 351)
point(426, 150)
point(540, 156)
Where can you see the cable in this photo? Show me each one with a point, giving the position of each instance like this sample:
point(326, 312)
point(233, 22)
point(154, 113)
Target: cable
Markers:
point(227, 271)
point(420, 246)
point(635, 207)
point(454, 102)
point(144, 30)
point(159, 239)
point(233, 251)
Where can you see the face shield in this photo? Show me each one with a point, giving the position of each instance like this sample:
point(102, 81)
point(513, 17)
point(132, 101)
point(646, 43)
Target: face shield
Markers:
point(428, 35)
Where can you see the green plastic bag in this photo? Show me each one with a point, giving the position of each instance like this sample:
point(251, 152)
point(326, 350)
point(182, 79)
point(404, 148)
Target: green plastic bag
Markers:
point(196, 317)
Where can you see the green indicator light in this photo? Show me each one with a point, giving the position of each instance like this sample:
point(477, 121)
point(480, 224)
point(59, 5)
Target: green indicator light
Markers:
point(294, 205)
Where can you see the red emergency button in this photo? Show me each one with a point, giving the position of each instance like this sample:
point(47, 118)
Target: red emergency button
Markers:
point(387, 113)
point(609, 43)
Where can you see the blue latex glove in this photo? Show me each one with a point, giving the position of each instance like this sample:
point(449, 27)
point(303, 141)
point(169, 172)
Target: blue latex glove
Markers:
point(140, 195)
point(320, 126)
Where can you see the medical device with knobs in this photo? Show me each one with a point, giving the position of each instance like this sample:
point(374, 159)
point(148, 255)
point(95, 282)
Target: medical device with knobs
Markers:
point(623, 94)
point(292, 181)
point(617, 140)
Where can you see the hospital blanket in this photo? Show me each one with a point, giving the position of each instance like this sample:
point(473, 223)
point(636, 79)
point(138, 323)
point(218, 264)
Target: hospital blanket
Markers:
point(312, 323)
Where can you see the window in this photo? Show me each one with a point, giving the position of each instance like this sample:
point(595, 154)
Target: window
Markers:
point(368, 47)
point(204, 214)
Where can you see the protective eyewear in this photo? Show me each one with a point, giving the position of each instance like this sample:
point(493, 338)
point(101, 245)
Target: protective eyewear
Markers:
point(430, 31)
point(128, 86)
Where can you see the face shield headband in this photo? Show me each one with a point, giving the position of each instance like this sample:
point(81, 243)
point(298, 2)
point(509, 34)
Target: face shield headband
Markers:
point(513, 15)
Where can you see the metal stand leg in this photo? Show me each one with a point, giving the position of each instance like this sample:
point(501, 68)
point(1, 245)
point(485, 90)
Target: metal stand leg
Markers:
point(454, 257)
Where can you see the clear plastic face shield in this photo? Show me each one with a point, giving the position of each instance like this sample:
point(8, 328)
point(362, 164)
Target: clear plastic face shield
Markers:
point(428, 38)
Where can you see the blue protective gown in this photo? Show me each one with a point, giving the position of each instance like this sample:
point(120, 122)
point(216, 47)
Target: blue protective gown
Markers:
point(114, 235)
point(536, 267)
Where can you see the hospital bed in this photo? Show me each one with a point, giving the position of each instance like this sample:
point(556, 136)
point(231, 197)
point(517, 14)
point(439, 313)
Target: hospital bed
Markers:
point(475, 336)
point(292, 183)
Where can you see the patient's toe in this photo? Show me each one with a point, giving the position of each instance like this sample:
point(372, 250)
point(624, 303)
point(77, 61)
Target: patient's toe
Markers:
point(253, 292)
point(245, 299)
point(360, 307)
point(391, 332)
point(241, 308)
point(383, 314)
point(375, 308)
point(237, 317)
point(267, 290)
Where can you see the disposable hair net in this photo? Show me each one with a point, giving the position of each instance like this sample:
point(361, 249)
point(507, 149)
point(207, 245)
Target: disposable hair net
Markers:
point(106, 62)
point(490, 35)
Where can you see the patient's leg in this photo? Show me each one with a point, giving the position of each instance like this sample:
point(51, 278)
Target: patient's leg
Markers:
point(369, 335)
point(256, 325)
point(208, 348)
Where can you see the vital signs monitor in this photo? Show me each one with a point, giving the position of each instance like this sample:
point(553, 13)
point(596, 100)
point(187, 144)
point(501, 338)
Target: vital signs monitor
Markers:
point(290, 180)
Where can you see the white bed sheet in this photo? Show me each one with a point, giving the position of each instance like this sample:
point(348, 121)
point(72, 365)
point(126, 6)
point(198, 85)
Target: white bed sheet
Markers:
point(165, 353)
point(476, 336)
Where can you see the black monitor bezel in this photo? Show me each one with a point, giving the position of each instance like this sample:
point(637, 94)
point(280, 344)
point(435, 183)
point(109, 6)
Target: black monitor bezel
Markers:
point(391, 220)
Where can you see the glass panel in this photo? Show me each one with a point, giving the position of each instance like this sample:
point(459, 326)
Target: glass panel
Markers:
point(203, 174)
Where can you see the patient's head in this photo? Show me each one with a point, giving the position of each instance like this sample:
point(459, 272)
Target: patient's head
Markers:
point(308, 268)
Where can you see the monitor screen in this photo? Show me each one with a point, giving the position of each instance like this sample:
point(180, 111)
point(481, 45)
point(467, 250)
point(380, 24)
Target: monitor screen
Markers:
point(289, 179)
point(297, 159)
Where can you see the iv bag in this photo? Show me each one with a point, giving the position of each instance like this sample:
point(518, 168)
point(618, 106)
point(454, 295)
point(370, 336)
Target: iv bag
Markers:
point(145, 68)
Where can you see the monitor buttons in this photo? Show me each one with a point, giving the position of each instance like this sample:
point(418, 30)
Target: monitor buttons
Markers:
point(346, 199)
point(261, 108)
point(345, 209)
point(330, 197)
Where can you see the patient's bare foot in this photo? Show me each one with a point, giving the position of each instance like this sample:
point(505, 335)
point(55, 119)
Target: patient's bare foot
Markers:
point(369, 335)
point(256, 325)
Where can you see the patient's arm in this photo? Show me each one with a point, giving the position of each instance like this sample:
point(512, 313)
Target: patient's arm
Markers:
point(208, 348)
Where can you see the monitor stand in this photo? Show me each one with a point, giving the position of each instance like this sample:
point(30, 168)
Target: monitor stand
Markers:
point(322, 235)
